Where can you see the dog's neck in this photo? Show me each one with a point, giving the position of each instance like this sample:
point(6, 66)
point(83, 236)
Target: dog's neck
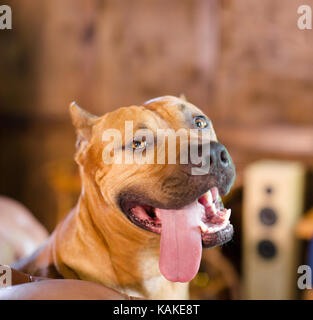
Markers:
point(98, 243)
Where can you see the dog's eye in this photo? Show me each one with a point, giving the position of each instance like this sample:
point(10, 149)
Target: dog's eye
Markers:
point(201, 122)
point(139, 144)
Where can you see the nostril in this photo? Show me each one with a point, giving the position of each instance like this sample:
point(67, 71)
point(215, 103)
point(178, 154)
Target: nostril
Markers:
point(224, 158)
point(211, 160)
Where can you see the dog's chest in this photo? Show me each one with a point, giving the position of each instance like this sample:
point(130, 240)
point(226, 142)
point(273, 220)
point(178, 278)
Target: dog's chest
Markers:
point(155, 285)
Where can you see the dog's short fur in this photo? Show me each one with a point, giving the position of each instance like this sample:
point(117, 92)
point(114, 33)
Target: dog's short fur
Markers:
point(96, 241)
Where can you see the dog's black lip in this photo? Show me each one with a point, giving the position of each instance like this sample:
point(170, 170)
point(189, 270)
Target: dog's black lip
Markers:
point(127, 212)
point(153, 229)
point(133, 198)
point(218, 238)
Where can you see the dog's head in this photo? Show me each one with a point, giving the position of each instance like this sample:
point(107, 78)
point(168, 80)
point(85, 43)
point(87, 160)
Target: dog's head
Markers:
point(143, 161)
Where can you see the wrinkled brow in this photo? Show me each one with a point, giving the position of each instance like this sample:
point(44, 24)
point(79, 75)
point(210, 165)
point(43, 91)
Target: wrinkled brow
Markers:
point(141, 125)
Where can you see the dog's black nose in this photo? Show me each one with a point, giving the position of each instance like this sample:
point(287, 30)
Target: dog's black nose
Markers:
point(222, 168)
point(215, 168)
point(219, 156)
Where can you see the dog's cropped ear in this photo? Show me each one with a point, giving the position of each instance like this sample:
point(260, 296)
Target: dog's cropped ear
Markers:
point(82, 121)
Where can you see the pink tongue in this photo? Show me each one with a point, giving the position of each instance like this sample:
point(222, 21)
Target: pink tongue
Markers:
point(181, 246)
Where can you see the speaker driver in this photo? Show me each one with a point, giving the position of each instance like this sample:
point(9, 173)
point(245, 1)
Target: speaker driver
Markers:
point(268, 216)
point(267, 249)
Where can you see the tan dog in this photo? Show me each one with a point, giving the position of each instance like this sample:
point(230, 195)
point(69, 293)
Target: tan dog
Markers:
point(112, 236)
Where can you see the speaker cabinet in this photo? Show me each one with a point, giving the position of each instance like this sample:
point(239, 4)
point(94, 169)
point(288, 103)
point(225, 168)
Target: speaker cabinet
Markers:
point(272, 204)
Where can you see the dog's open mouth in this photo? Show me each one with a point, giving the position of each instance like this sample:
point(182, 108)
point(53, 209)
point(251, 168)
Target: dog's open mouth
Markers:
point(203, 223)
point(213, 217)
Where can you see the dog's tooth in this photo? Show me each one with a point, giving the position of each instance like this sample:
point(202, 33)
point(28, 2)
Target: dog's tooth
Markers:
point(215, 193)
point(209, 197)
point(213, 208)
point(227, 214)
point(214, 229)
point(204, 228)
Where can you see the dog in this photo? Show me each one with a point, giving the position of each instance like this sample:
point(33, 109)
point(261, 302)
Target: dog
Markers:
point(140, 228)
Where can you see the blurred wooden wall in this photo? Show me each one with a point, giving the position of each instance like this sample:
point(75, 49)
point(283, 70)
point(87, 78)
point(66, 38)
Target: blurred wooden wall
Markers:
point(244, 62)
point(266, 63)
point(265, 82)
point(107, 54)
